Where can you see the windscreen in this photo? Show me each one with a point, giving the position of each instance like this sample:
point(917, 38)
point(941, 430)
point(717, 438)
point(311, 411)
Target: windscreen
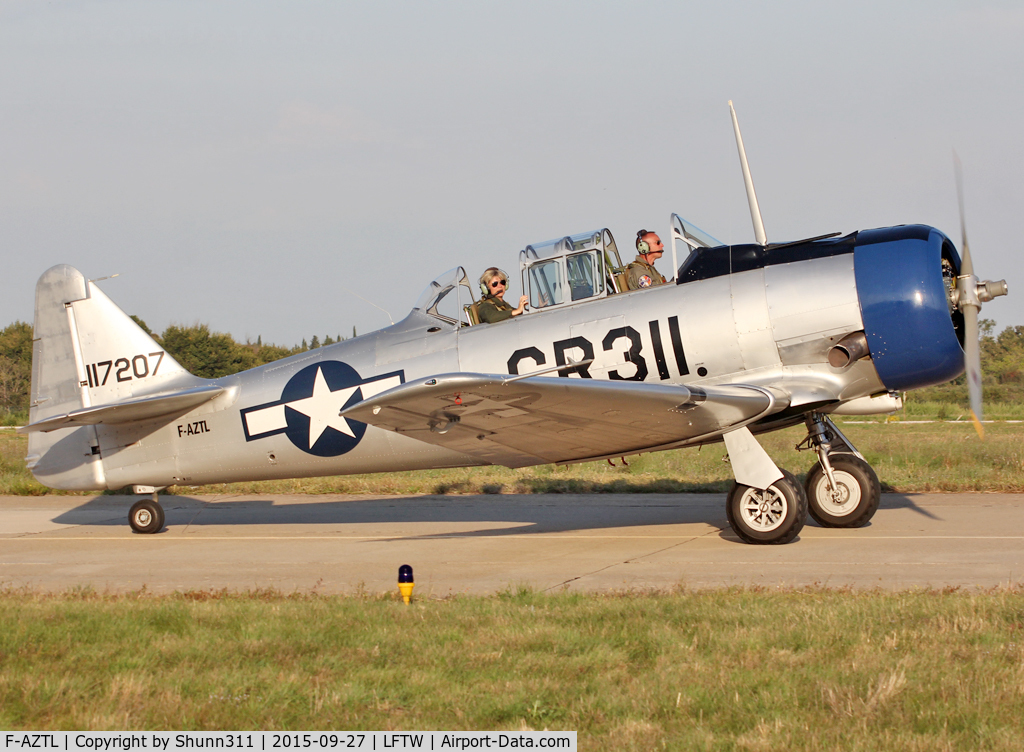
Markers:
point(445, 296)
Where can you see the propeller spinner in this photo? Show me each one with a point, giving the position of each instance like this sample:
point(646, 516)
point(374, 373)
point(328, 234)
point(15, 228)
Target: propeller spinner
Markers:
point(968, 296)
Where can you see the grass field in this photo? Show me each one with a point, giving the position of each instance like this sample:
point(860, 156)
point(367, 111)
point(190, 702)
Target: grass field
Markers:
point(728, 669)
point(731, 669)
point(907, 456)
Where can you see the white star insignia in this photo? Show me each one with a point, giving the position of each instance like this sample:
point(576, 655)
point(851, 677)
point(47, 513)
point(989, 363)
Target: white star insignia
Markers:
point(323, 407)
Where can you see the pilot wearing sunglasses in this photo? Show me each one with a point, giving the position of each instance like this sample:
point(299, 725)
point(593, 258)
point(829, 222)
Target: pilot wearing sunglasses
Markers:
point(493, 308)
point(641, 272)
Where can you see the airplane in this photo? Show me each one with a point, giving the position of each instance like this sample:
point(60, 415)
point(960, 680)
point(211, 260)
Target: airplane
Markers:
point(744, 339)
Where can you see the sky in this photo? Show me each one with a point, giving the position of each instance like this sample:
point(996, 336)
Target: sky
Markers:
point(268, 168)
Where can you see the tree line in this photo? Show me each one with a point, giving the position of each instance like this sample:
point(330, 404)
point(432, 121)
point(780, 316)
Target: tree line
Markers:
point(213, 354)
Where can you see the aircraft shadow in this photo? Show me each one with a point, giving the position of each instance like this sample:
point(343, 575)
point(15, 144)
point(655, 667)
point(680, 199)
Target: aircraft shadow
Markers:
point(516, 514)
point(902, 501)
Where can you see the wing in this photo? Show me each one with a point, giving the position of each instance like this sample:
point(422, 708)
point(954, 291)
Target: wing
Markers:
point(517, 421)
point(144, 408)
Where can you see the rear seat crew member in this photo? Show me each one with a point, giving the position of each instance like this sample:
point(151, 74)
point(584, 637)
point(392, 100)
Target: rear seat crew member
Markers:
point(641, 272)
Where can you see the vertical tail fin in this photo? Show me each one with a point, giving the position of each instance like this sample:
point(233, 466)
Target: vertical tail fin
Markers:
point(86, 352)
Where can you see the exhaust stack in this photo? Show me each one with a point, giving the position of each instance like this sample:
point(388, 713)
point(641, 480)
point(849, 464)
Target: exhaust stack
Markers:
point(849, 349)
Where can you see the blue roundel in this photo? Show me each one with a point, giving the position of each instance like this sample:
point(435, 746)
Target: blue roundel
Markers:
point(314, 396)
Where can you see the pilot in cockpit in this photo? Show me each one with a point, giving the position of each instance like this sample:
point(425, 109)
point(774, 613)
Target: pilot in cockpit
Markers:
point(641, 272)
point(493, 308)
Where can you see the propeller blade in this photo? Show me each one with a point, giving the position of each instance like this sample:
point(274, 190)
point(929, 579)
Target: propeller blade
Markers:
point(972, 362)
point(971, 294)
point(966, 267)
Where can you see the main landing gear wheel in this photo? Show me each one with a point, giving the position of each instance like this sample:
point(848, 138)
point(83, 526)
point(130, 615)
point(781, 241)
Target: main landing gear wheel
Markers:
point(146, 516)
point(857, 492)
point(775, 515)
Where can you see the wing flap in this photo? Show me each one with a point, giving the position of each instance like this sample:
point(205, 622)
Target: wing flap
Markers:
point(129, 411)
point(527, 421)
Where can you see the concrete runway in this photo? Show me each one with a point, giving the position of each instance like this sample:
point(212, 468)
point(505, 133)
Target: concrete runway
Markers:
point(483, 544)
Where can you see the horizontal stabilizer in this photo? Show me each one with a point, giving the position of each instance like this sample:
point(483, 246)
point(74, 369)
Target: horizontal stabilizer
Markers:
point(129, 411)
point(516, 421)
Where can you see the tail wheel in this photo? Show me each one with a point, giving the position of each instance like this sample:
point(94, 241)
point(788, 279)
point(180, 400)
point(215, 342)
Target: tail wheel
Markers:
point(146, 516)
point(774, 515)
point(856, 497)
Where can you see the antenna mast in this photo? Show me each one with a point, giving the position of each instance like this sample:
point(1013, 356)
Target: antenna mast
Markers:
point(755, 211)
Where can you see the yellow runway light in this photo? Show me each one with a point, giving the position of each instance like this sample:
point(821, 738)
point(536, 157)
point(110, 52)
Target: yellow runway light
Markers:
point(405, 583)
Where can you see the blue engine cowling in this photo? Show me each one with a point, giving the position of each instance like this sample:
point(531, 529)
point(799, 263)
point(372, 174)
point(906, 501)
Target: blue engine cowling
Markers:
point(914, 335)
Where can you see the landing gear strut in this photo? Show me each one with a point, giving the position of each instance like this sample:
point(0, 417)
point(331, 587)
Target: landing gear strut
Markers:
point(147, 516)
point(842, 489)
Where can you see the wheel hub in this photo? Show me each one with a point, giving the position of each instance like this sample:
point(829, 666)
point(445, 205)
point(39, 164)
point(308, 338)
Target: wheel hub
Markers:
point(844, 500)
point(840, 495)
point(763, 510)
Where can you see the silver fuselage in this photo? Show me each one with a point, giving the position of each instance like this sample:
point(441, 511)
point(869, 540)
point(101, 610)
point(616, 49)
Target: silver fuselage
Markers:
point(770, 327)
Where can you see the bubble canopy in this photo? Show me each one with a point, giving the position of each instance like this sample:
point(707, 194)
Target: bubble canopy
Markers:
point(567, 270)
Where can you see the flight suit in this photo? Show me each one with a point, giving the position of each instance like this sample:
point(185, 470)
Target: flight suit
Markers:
point(640, 274)
point(493, 309)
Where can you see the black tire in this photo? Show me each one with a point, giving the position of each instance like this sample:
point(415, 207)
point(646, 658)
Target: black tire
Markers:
point(146, 516)
point(776, 515)
point(859, 492)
